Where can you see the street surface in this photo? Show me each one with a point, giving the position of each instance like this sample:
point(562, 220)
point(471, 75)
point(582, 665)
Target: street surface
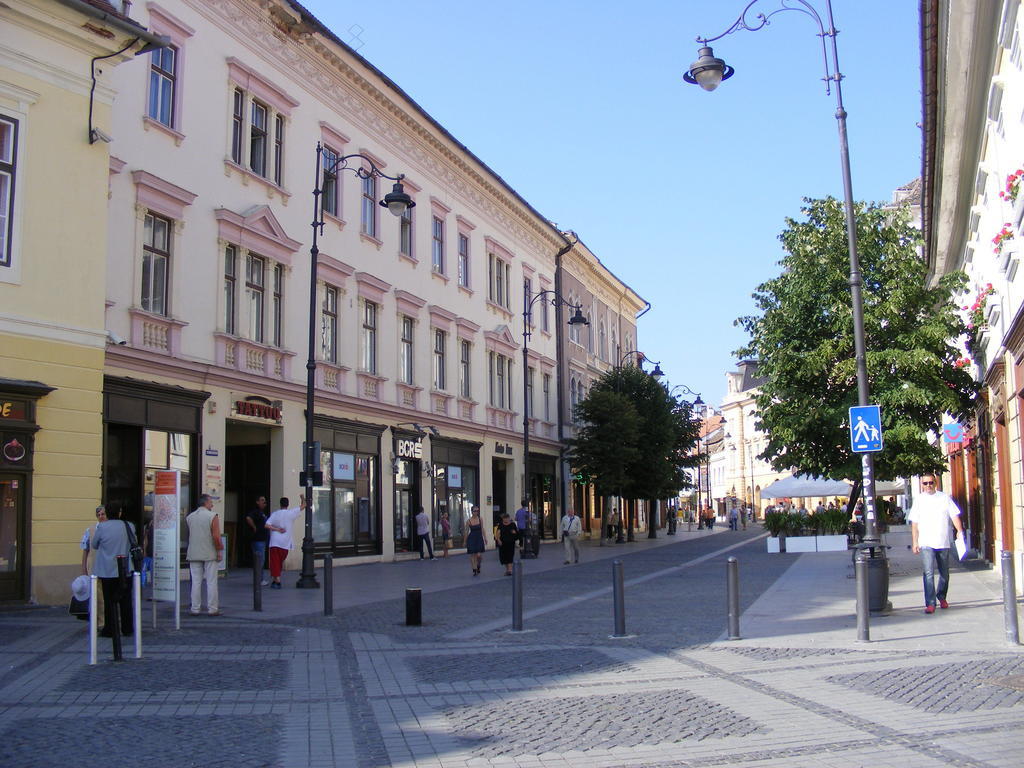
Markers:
point(291, 687)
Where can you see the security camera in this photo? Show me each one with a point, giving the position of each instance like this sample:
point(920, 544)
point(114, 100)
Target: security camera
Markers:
point(97, 134)
point(113, 338)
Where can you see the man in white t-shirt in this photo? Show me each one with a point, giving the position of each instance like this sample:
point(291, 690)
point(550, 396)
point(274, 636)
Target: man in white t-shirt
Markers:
point(280, 526)
point(930, 517)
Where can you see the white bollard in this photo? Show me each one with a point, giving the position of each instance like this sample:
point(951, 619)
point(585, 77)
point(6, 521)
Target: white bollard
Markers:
point(137, 612)
point(93, 607)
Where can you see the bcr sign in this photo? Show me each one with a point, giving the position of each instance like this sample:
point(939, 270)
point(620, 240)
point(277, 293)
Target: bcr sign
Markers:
point(410, 449)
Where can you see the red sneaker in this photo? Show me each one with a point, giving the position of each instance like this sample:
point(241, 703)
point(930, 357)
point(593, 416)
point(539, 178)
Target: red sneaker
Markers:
point(929, 609)
point(943, 604)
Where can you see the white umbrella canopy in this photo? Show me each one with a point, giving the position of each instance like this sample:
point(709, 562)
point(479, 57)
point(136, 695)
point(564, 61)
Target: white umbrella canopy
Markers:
point(802, 486)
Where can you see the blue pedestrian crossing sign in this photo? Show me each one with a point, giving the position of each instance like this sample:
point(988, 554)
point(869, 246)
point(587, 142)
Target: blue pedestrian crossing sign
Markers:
point(866, 429)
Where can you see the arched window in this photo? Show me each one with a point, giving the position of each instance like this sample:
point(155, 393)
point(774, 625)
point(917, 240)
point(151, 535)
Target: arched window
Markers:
point(590, 335)
point(602, 347)
point(572, 398)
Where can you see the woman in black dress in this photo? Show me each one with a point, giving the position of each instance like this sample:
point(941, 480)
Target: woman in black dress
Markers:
point(505, 537)
point(475, 543)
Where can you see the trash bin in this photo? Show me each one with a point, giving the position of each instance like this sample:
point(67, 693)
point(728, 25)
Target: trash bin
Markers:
point(878, 581)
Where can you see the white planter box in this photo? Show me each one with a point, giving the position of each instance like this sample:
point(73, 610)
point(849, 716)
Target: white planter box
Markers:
point(834, 543)
point(773, 544)
point(801, 544)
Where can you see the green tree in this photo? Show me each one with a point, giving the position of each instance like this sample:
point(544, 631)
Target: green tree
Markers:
point(803, 340)
point(605, 445)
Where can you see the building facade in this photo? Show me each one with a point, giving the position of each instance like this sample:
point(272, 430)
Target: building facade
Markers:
point(972, 213)
point(56, 91)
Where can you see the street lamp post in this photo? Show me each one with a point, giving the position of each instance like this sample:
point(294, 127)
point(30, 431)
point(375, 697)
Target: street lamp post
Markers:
point(708, 72)
point(556, 300)
point(698, 405)
point(396, 201)
point(656, 373)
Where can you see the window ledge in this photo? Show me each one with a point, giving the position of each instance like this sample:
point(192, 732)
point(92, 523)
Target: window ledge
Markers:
point(504, 311)
point(466, 290)
point(467, 400)
point(335, 220)
point(330, 376)
point(247, 175)
point(156, 333)
point(367, 238)
point(148, 123)
point(408, 257)
point(439, 275)
point(252, 357)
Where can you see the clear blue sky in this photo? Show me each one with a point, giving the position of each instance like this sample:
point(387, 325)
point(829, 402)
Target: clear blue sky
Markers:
point(581, 108)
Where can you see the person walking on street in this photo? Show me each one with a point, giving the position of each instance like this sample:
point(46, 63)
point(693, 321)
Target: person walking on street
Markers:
point(734, 519)
point(505, 537)
point(475, 543)
point(571, 531)
point(930, 517)
point(423, 533)
point(522, 520)
point(86, 545)
point(257, 533)
point(203, 555)
point(280, 526)
point(446, 533)
point(110, 541)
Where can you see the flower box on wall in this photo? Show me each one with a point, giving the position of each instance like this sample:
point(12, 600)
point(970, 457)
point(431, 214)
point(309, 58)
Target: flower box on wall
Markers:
point(801, 544)
point(773, 544)
point(832, 543)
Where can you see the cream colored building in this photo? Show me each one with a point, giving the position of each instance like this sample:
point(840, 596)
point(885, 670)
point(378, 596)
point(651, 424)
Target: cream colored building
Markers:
point(972, 215)
point(53, 205)
point(418, 321)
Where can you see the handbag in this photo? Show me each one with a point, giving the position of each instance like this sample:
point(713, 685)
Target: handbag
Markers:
point(134, 550)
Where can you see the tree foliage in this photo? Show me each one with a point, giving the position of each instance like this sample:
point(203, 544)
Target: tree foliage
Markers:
point(803, 340)
point(649, 463)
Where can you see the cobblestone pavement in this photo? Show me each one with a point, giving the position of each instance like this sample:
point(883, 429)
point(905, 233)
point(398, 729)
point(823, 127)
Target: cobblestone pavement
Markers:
point(361, 689)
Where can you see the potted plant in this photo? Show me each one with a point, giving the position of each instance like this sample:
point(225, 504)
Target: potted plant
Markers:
point(775, 523)
point(800, 532)
point(832, 525)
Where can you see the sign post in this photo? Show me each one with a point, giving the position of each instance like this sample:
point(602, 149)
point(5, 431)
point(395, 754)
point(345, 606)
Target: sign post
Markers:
point(167, 541)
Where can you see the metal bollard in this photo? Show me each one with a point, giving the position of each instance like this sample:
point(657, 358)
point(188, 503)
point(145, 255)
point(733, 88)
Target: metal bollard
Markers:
point(257, 589)
point(860, 567)
point(1009, 598)
point(328, 584)
point(517, 596)
point(618, 599)
point(732, 571)
point(114, 612)
point(137, 612)
point(93, 607)
point(413, 607)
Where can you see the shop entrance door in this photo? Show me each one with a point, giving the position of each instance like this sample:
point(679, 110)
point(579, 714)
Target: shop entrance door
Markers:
point(246, 478)
point(499, 489)
point(12, 537)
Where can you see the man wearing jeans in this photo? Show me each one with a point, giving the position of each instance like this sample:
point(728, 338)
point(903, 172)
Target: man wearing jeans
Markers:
point(930, 517)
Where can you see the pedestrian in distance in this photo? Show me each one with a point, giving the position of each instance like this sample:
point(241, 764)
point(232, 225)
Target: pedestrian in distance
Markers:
point(522, 520)
point(280, 526)
point(423, 533)
point(446, 533)
point(86, 545)
point(257, 534)
point(506, 536)
point(475, 544)
point(147, 552)
point(111, 540)
point(203, 555)
point(734, 519)
point(572, 529)
point(930, 519)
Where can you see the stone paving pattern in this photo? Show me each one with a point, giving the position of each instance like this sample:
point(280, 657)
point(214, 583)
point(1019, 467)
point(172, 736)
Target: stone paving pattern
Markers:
point(361, 689)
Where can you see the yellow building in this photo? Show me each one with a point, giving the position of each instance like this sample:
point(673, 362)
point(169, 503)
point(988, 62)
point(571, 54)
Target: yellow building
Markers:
point(54, 167)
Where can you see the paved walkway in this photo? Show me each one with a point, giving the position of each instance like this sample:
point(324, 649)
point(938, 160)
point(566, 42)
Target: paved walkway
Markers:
point(290, 687)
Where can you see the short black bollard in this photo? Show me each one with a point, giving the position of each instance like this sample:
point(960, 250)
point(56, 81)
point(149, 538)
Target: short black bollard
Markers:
point(860, 566)
point(517, 596)
point(618, 599)
point(114, 611)
point(732, 570)
point(328, 584)
point(413, 607)
point(257, 590)
point(1009, 598)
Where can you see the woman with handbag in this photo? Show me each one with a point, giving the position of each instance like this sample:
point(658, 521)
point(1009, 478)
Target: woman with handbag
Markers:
point(506, 537)
point(111, 540)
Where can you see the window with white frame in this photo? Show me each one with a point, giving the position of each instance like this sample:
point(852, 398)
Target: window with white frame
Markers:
point(329, 197)
point(163, 65)
point(499, 281)
point(544, 324)
point(277, 306)
point(440, 360)
point(463, 260)
point(406, 351)
point(500, 380)
point(368, 362)
point(329, 325)
point(156, 257)
point(255, 277)
point(230, 287)
point(528, 299)
point(405, 233)
point(261, 148)
point(547, 397)
point(8, 177)
point(465, 370)
point(368, 211)
point(437, 245)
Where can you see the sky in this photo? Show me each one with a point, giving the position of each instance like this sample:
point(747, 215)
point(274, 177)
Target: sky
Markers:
point(581, 108)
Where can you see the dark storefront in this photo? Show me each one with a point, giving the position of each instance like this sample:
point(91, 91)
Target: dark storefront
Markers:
point(17, 439)
point(407, 465)
point(543, 494)
point(148, 426)
point(456, 484)
point(346, 508)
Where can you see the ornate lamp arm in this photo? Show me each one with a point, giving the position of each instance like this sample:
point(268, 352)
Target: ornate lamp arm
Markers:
point(396, 201)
